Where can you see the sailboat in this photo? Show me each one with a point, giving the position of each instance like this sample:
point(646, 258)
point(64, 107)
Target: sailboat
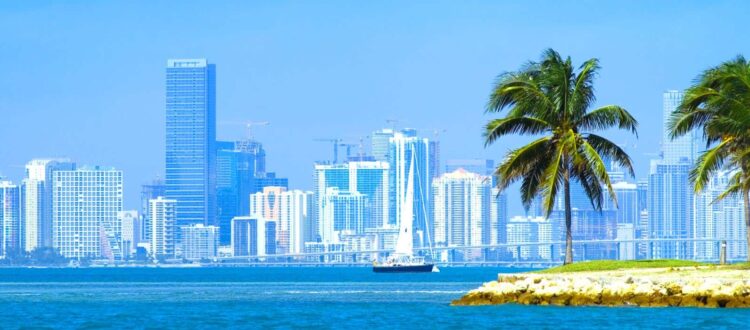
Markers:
point(402, 260)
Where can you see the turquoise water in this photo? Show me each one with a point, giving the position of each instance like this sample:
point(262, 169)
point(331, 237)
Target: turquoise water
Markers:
point(298, 297)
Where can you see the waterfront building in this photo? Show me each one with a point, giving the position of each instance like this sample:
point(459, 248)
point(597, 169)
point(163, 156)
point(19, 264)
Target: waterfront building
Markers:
point(85, 204)
point(498, 225)
point(587, 224)
point(385, 237)
point(719, 220)
point(360, 242)
point(190, 140)
point(149, 191)
point(131, 225)
point(476, 165)
point(198, 241)
point(434, 159)
point(670, 209)
point(253, 236)
point(525, 230)
point(293, 212)
point(380, 144)
point(626, 232)
point(37, 201)
point(462, 211)
point(163, 227)
point(626, 208)
point(685, 148)
point(370, 179)
point(11, 238)
point(324, 247)
point(341, 211)
point(240, 171)
point(671, 203)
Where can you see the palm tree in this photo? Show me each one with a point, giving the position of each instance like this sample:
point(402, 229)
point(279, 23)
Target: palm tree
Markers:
point(550, 100)
point(718, 105)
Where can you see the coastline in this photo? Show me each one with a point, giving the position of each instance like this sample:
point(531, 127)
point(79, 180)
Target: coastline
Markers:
point(698, 286)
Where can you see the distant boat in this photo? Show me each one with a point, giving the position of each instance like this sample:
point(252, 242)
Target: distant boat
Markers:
point(403, 260)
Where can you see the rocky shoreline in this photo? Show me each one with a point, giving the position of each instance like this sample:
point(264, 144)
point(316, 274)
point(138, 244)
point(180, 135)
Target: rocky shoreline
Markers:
point(687, 286)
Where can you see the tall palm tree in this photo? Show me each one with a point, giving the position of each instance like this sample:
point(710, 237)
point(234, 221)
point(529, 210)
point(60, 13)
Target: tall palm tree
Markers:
point(550, 100)
point(718, 105)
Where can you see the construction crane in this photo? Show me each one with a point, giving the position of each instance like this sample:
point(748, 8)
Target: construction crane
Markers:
point(336, 142)
point(349, 148)
point(248, 125)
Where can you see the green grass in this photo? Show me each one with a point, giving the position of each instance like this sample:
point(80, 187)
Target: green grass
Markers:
point(603, 265)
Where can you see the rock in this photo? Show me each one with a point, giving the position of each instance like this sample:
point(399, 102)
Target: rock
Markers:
point(690, 287)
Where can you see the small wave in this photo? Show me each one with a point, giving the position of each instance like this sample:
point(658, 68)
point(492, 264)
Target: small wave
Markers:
point(327, 292)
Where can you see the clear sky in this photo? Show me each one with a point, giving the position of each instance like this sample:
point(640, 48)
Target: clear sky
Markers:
point(86, 79)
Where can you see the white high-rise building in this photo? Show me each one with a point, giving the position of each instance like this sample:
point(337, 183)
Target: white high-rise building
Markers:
point(293, 212)
point(341, 211)
point(367, 178)
point(380, 142)
point(131, 224)
point(37, 200)
point(10, 219)
point(199, 241)
point(253, 236)
point(626, 209)
point(524, 230)
point(163, 226)
point(671, 202)
point(85, 204)
point(685, 148)
point(462, 203)
point(719, 220)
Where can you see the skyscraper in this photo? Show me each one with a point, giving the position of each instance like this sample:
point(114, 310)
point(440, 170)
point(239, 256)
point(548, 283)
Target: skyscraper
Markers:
point(369, 178)
point(479, 166)
point(150, 191)
point(684, 148)
point(462, 216)
point(191, 138)
point(85, 204)
point(671, 203)
point(719, 220)
point(253, 236)
point(293, 212)
point(10, 219)
point(380, 142)
point(37, 200)
point(199, 241)
point(342, 211)
point(163, 227)
point(626, 209)
point(670, 209)
point(130, 222)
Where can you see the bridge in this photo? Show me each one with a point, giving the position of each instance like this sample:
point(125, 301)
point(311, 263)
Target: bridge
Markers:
point(556, 248)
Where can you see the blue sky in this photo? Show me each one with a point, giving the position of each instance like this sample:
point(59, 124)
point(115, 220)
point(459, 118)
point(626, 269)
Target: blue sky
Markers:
point(86, 79)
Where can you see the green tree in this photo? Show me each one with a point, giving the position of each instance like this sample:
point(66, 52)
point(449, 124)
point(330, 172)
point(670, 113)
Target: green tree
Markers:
point(718, 106)
point(551, 100)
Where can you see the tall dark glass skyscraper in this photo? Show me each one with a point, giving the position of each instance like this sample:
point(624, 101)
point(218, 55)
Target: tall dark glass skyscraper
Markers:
point(191, 138)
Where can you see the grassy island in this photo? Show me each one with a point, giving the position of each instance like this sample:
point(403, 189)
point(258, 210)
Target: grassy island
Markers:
point(620, 283)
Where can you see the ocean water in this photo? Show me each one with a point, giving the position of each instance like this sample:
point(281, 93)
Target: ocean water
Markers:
point(299, 298)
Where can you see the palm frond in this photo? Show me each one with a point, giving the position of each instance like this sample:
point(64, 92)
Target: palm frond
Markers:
point(708, 163)
point(610, 150)
point(513, 125)
point(520, 161)
point(607, 117)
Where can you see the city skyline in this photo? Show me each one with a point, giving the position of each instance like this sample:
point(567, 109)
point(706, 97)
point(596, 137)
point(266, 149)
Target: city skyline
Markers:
point(260, 64)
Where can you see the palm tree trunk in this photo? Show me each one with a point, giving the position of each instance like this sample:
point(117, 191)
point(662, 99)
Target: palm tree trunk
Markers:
point(568, 222)
point(746, 197)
